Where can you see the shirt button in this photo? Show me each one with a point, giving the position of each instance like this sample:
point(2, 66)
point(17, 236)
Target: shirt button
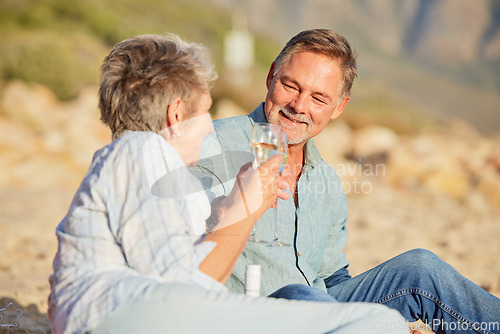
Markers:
point(298, 253)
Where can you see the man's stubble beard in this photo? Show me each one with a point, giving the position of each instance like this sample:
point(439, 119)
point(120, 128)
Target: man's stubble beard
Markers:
point(297, 138)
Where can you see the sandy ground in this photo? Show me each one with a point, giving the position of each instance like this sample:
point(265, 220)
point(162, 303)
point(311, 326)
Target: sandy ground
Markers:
point(382, 224)
point(45, 151)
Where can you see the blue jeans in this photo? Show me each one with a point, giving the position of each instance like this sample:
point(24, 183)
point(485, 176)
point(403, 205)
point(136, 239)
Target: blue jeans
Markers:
point(420, 286)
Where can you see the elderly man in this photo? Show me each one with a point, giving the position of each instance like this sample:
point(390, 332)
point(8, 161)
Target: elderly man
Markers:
point(309, 84)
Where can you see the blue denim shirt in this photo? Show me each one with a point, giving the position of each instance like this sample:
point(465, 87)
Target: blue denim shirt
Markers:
point(315, 228)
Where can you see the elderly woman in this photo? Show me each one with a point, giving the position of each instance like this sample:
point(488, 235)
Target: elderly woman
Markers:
point(135, 254)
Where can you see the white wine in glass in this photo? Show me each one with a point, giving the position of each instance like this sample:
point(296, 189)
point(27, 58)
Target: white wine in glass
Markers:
point(264, 143)
point(262, 151)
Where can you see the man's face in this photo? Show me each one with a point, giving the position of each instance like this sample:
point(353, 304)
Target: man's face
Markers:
point(304, 95)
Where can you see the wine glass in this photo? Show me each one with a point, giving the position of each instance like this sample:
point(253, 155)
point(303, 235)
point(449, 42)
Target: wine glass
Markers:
point(264, 142)
point(283, 150)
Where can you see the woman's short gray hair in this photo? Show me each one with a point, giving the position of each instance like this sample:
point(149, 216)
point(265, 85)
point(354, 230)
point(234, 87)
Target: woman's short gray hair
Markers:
point(328, 43)
point(144, 74)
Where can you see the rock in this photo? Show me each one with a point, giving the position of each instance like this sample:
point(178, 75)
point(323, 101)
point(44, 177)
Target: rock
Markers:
point(489, 185)
point(83, 132)
point(373, 139)
point(454, 183)
point(477, 202)
point(29, 104)
point(45, 142)
point(335, 141)
point(428, 160)
point(492, 157)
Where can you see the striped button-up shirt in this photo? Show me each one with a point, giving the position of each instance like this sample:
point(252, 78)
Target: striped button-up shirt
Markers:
point(137, 219)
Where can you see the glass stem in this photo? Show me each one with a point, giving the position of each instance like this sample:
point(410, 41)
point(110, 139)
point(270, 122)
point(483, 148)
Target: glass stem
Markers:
point(276, 220)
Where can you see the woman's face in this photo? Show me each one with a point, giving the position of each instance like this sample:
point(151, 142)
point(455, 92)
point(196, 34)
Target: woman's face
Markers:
point(196, 125)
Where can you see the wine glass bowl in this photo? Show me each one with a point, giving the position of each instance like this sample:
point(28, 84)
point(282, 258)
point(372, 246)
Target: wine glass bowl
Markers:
point(267, 140)
point(264, 143)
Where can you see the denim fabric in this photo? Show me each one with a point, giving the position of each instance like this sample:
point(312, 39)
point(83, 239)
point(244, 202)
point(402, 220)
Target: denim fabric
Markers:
point(420, 286)
point(302, 292)
point(317, 250)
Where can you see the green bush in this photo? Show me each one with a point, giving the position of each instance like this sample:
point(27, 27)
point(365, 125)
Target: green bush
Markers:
point(61, 43)
point(64, 63)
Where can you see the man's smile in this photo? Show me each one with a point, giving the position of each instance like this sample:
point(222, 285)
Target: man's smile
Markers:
point(290, 119)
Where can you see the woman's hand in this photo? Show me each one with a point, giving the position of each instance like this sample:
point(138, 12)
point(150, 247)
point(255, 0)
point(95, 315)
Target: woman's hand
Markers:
point(259, 188)
point(254, 191)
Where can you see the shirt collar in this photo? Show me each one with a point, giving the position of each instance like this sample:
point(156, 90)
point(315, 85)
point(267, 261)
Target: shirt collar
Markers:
point(312, 156)
point(258, 115)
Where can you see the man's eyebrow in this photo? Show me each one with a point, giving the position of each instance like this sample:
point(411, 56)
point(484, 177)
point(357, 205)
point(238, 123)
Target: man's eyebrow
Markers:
point(287, 78)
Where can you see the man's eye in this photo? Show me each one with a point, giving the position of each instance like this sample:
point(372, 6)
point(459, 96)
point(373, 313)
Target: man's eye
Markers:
point(317, 99)
point(288, 86)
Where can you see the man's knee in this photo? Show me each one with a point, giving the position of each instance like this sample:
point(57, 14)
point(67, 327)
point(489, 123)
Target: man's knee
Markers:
point(421, 268)
point(417, 265)
point(422, 258)
point(418, 259)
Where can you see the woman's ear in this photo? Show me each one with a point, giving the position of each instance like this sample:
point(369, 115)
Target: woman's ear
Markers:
point(176, 112)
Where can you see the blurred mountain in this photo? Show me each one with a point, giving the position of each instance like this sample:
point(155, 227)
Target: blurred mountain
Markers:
point(440, 56)
point(442, 33)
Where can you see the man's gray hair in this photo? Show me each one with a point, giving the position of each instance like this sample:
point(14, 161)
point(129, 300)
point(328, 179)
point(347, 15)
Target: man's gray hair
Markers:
point(144, 74)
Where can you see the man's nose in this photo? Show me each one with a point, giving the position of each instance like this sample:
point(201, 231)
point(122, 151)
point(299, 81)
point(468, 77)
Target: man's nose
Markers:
point(299, 103)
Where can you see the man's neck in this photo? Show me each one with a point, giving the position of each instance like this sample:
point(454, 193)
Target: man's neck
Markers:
point(296, 154)
point(295, 162)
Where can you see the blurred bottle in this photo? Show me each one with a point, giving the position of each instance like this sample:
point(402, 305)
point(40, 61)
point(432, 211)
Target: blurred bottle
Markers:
point(252, 280)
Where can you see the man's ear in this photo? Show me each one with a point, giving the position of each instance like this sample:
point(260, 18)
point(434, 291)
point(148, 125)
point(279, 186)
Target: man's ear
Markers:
point(175, 112)
point(340, 107)
point(270, 75)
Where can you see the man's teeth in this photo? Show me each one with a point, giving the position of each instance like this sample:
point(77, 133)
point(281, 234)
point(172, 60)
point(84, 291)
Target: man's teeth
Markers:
point(293, 120)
